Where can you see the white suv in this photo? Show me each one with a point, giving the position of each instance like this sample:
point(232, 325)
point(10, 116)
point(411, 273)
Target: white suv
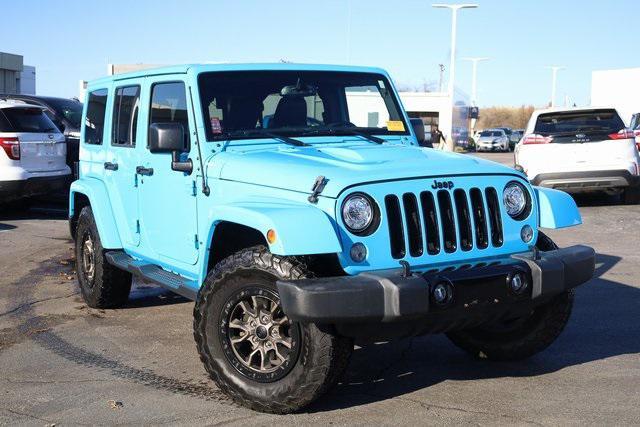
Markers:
point(580, 149)
point(32, 153)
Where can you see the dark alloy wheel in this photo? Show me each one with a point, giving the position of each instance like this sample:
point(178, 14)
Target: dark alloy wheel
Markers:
point(258, 338)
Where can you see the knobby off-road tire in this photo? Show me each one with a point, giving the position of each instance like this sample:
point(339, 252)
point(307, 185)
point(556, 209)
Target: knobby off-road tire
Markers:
point(101, 284)
point(239, 291)
point(519, 338)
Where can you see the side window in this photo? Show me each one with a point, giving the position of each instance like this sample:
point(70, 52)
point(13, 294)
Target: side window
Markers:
point(169, 105)
point(94, 122)
point(125, 116)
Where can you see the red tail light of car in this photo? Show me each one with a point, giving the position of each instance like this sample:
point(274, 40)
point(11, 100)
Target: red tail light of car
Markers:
point(536, 139)
point(623, 134)
point(11, 146)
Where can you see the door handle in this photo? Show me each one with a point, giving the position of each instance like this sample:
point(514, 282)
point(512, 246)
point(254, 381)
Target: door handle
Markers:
point(141, 170)
point(111, 166)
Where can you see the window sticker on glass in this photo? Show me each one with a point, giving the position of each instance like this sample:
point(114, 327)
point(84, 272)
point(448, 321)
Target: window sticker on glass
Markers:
point(381, 84)
point(216, 127)
point(395, 126)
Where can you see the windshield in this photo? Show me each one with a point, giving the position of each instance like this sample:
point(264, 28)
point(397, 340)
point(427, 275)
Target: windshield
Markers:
point(69, 109)
point(261, 104)
point(27, 120)
point(601, 121)
point(491, 133)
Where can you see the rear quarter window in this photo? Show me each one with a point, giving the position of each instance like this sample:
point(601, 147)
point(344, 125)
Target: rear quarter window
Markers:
point(94, 121)
point(26, 120)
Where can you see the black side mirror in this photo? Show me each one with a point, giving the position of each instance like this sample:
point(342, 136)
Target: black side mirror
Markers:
point(166, 137)
point(418, 129)
point(169, 138)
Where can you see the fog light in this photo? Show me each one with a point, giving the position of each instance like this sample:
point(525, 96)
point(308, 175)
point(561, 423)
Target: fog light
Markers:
point(526, 234)
point(442, 293)
point(518, 283)
point(358, 252)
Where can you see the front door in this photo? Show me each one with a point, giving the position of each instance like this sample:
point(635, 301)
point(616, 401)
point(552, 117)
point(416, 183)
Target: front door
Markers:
point(167, 197)
point(122, 159)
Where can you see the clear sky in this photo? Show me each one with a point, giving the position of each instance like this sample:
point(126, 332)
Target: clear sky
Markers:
point(72, 40)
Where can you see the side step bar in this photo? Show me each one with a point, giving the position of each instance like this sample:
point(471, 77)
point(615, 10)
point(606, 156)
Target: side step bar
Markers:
point(153, 273)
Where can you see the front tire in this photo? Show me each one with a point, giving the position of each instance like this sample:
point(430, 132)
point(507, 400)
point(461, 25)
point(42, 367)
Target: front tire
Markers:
point(252, 351)
point(517, 339)
point(101, 284)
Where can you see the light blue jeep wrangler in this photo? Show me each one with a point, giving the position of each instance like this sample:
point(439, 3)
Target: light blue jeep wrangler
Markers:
point(294, 205)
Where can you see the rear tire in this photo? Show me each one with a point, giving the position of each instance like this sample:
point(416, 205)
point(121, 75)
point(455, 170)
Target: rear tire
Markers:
point(517, 339)
point(631, 195)
point(101, 284)
point(250, 348)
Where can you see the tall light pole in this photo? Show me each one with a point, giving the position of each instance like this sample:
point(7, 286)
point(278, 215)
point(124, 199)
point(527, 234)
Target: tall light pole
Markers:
point(554, 75)
point(474, 76)
point(452, 61)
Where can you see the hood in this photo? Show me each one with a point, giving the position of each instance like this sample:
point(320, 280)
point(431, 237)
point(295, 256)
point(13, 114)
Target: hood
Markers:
point(296, 168)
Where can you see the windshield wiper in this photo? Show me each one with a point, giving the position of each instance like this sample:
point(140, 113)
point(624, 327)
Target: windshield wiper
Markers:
point(349, 131)
point(257, 132)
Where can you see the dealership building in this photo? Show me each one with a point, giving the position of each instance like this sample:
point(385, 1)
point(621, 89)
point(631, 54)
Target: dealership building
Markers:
point(15, 77)
point(617, 88)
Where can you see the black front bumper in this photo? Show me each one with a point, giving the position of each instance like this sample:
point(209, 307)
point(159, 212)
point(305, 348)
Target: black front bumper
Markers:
point(388, 304)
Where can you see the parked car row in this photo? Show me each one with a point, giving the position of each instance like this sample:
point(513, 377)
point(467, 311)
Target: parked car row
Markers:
point(39, 137)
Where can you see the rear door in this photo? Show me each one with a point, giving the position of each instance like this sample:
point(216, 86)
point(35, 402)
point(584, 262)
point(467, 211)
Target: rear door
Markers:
point(42, 147)
point(123, 157)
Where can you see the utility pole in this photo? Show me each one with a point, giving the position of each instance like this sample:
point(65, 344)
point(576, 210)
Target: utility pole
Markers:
point(441, 77)
point(554, 76)
point(452, 61)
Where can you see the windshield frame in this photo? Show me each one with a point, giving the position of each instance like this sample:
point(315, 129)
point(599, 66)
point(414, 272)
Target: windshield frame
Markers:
point(318, 132)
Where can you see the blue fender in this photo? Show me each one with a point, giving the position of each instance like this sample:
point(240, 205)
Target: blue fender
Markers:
point(96, 192)
point(301, 229)
point(557, 208)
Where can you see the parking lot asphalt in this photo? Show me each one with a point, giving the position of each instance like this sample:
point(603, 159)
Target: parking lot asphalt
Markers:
point(63, 363)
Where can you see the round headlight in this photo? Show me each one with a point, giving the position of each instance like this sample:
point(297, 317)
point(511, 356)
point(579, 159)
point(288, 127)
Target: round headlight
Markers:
point(358, 213)
point(515, 199)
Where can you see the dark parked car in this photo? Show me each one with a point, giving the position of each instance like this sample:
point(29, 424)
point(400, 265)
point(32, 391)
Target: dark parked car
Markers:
point(64, 113)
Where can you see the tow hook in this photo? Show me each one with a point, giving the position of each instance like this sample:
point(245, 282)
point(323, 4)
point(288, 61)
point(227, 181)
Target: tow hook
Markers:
point(406, 269)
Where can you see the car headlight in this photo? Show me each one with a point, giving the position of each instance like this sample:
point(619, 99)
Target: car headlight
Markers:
point(516, 200)
point(360, 214)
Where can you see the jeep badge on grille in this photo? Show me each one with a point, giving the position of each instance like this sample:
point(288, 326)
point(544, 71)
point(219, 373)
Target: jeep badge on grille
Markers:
point(442, 184)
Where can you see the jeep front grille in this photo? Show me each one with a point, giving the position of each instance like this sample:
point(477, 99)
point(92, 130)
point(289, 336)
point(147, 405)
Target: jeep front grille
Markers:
point(443, 220)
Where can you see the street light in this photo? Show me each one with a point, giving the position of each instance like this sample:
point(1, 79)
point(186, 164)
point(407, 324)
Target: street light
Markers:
point(554, 73)
point(474, 85)
point(452, 62)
